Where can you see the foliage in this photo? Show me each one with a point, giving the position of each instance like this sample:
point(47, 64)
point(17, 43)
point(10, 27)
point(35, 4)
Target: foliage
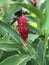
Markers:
point(12, 48)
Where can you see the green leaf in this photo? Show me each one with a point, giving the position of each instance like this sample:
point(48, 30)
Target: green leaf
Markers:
point(43, 6)
point(6, 41)
point(32, 9)
point(4, 2)
point(25, 1)
point(32, 37)
point(47, 59)
point(20, 0)
point(40, 52)
point(16, 60)
point(32, 52)
point(32, 62)
point(5, 28)
point(33, 29)
point(46, 25)
point(9, 14)
point(1, 53)
point(47, 56)
point(31, 18)
point(9, 45)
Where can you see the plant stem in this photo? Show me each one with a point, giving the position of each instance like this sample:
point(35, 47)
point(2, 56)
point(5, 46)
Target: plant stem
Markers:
point(45, 45)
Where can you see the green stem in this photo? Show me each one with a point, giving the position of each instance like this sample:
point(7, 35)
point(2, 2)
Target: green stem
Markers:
point(1, 53)
point(44, 53)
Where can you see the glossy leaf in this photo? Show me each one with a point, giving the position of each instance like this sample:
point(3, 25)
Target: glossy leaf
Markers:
point(33, 29)
point(46, 26)
point(5, 28)
point(32, 52)
point(32, 9)
point(16, 60)
point(9, 14)
point(9, 45)
point(32, 37)
point(6, 41)
point(40, 52)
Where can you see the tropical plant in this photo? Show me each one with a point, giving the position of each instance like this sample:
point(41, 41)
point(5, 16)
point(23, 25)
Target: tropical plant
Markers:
point(24, 32)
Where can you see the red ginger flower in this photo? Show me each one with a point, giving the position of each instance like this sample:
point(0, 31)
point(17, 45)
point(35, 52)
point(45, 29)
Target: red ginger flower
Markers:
point(23, 32)
point(34, 3)
point(22, 29)
point(22, 21)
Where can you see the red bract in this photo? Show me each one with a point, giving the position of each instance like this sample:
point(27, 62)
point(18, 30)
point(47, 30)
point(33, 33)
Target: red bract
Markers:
point(34, 3)
point(23, 30)
point(22, 21)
